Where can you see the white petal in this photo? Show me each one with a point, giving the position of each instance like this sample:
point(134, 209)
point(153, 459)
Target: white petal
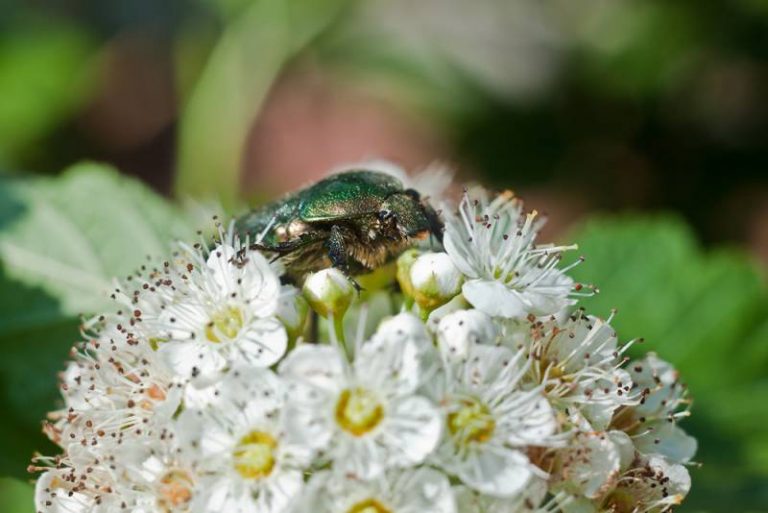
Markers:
point(388, 366)
point(199, 361)
point(454, 305)
point(679, 483)
point(315, 365)
point(360, 457)
point(263, 343)
point(458, 331)
point(532, 424)
point(404, 326)
point(499, 473)
point(423, 490)
point(625, 446)
point(591, 464)
point(494, 298)
point(50, 487)
point(668, 439)
point(549, 296)
point(259, 285)
point(459, 249)
point(220, 266)
point(412, 431)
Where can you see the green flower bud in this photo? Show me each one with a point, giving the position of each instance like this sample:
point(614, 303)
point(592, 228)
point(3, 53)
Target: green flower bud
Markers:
point(404, 263)
point(328, 292)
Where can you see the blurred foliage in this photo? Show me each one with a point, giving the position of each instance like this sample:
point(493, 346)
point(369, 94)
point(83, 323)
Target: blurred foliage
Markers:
point(707, 312)
point(16, 496)
point(245, 62)
point(45, 74)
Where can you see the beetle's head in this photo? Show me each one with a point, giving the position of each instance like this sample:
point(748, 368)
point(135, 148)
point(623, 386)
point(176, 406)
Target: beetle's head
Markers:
point(409, 216)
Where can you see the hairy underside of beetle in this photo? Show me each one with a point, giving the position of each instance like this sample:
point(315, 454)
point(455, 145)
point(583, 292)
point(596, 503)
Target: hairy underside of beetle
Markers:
point(363, 250)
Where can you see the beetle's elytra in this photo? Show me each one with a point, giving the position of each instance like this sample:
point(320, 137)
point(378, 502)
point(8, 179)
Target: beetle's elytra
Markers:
point(355, 221)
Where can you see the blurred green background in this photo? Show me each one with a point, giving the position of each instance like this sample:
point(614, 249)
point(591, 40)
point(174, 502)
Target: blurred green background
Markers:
point(640, 126)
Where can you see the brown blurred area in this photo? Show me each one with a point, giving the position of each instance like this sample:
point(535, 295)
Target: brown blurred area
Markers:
point(313, 122)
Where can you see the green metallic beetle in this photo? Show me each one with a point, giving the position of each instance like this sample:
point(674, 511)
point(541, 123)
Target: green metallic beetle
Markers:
point(355, 221)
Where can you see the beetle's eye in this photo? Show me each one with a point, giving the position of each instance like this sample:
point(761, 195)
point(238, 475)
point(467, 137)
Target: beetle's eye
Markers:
point(385, 214)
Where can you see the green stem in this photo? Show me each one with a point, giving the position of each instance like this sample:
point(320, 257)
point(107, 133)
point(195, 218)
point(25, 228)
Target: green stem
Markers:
point(337, 323)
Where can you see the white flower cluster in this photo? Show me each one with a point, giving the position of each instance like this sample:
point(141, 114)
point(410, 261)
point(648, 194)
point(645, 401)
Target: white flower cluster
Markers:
point(486, 391)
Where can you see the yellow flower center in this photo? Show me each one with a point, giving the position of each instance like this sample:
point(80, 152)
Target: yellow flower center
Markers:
point(368, 506)
point(226, 324)
point(175, 491)
point(471, 422)
point(358, 411)
point(255, 455)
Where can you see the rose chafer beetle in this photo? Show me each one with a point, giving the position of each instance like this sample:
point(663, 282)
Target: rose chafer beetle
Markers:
point(355, 221)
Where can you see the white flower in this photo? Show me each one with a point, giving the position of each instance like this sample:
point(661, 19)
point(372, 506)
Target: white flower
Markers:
point(579, 361)
point(592, 462)
point(653, 422)
point(491, 421)
point(113, 385)
point(218, 311)
point(492, 243)
point(55, 492)
point(78, 484)
point(155, 476)
point(366, 417)
point(653, 485)
point(422, 490)
point(247, 460)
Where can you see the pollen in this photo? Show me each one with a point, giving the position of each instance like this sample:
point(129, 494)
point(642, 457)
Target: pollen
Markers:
point(224, 324)
point(471, 422)
point(254, 455)
point(358, 412)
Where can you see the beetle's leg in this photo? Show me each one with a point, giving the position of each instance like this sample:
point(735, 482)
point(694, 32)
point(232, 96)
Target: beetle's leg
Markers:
point(337, 253)
point(284, 248)
point(436, 226)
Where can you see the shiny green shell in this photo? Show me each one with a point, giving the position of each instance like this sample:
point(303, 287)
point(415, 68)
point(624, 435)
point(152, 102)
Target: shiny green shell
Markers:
point(343, 196)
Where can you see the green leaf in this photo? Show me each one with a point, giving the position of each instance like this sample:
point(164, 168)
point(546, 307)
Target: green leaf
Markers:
point(694, 308)
point(16, 496)
point(76, 232)
point(240, 71)
point(61, 242)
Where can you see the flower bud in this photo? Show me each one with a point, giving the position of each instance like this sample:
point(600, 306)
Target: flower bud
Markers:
point(404, 263)
point(458, 331)
point(436, 315)
point(435, 280)
point(292, 310)
point(328, 292)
